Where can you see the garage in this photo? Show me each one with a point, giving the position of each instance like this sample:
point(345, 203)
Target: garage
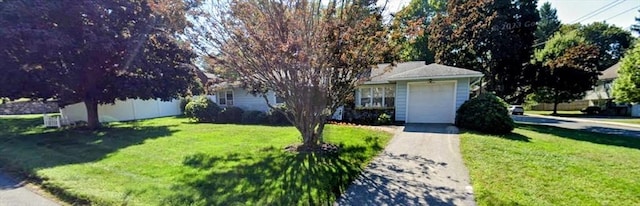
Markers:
point(431, 102)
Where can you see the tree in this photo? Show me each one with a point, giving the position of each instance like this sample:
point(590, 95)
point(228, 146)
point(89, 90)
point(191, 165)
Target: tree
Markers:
point(612, 42)
point(93, 51)
point(548, 23)
point(420, 12)
point(627, 87)
point(569, 69)
point(491, 36)
point(312, 55)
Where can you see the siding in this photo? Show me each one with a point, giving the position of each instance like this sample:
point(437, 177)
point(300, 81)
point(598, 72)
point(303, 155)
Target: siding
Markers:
point(247, 101)
point(401, 100)
point(462, 95)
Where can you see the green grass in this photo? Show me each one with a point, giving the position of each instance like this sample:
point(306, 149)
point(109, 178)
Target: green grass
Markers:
point(169, 161)
point(625, 120)
point(541, 165)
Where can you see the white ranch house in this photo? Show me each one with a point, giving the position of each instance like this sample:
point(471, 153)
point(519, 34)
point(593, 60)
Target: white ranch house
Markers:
point(417, 92)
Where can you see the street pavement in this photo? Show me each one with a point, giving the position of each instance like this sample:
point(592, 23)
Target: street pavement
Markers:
point(580, 124)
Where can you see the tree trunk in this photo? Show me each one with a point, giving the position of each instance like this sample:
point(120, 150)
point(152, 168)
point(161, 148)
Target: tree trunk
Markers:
point(555, 103)
point(92, 114)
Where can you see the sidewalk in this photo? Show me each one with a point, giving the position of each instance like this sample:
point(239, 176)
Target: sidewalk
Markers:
point(13, 193)
point(589, 120)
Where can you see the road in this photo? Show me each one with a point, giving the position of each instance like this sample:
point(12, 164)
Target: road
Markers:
point(579, 124)
point(13, 193)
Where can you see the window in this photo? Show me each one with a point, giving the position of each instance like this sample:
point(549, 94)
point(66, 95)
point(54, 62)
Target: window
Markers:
point(365, 97)
point(377, 96)
point(225, 98)
point(389, 96)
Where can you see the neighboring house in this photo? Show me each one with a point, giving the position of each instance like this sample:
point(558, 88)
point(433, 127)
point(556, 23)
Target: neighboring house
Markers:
point(417, 93)
point(601, 95)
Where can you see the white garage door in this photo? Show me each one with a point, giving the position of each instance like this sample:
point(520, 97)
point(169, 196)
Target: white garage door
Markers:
point(431, 103)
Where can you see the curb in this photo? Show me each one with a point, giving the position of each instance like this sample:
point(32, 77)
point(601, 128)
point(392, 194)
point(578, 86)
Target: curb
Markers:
point(586, 120)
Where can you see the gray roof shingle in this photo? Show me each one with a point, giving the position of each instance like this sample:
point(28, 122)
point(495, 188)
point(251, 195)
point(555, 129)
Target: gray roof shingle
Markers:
point(610, 73)
point(417, 70)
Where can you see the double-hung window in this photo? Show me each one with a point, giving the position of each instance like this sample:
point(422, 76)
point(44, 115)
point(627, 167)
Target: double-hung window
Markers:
point(225, 98)
point(376, 96)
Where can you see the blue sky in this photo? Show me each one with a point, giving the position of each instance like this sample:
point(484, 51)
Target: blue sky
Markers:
point(571, 10)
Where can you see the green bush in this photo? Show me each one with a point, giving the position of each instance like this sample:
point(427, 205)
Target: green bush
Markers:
point(230, 115)
point(184, 101)
point(486, 113)
point(202, 109)
point(277, 118)
point(384, 119)
point(254, 117)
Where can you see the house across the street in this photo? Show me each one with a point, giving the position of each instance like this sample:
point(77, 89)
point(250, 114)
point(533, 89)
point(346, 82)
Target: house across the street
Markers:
point(418, 92)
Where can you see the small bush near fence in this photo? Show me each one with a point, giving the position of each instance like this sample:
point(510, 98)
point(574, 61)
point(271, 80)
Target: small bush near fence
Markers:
point(486, 113)
point(202, 109)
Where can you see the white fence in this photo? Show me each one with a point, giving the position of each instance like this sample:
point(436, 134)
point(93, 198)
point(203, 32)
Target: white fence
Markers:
point(130, 109)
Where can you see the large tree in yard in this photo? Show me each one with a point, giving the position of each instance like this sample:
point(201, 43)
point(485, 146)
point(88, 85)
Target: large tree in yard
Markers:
point(569, 68)
point(420, 12)
point(627, 87)
point(494, 37)
point(93, 51)
point(312, 54)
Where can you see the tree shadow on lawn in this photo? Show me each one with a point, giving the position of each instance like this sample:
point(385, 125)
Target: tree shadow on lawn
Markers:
point(588, 136)
point(510, 136)
point(46, 148)
point(275, 178)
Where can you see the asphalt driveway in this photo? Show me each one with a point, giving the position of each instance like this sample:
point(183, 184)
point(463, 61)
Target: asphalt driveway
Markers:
point(422, 165)
point(579, 124)
point(13, 193)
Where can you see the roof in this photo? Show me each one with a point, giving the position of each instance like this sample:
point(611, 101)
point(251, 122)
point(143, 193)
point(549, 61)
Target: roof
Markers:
point(418, 70)
point(610, 73)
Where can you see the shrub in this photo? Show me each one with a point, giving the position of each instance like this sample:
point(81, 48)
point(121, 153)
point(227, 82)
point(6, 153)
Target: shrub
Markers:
point(254, 117)
point(183, 103)
point(384, 119)
point(202, 109)
point(230, 115)
point(486, 113)
point(277, 118)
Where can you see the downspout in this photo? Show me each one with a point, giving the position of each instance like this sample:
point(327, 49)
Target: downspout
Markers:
point(474, 83)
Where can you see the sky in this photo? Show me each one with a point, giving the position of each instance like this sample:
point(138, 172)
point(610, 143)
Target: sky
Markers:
point(621, 13)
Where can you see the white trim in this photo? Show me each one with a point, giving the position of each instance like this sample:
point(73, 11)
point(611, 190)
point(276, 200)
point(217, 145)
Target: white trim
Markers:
point(224, 94)
point(455, 97)
point(422, 79)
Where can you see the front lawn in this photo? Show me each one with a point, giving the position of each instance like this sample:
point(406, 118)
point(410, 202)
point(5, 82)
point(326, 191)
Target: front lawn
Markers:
point(542, 165)
point(560, 113)
point(169, 161)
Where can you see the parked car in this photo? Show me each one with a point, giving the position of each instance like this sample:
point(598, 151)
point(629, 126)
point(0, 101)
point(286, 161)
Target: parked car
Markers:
point(591, 110)
point(516, 110)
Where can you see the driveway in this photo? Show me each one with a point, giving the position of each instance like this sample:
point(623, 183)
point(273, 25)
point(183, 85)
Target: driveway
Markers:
point(422, 165)
point(13, 193)
point(579, 124)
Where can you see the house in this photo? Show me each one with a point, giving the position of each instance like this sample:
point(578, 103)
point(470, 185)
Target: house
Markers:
point(417, 92)
point(602, 93)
